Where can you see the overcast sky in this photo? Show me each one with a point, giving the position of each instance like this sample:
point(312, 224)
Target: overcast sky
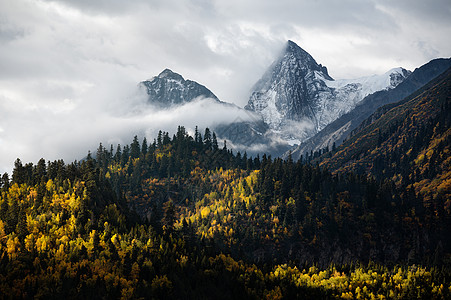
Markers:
point(69, 68)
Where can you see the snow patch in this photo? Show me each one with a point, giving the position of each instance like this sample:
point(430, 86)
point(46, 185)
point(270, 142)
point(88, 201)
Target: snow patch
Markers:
point(370, 84)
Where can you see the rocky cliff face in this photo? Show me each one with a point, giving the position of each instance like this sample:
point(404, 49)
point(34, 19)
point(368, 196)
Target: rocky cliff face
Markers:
point(169, 88)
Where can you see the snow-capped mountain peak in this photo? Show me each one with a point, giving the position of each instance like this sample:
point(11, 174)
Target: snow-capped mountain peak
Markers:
point(300, 56)
point(288, 89)
point(397, 75)
point(169, 74)
point(297, 98)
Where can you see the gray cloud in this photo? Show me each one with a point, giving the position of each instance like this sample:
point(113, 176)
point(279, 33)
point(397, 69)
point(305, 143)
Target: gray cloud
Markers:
point(68, 68)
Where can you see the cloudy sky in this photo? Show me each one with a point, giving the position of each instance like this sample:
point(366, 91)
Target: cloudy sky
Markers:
point(69, 68)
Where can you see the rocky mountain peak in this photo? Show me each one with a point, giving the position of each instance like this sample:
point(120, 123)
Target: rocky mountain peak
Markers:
point(297, 98)
point(293, 48)
point(303, 58)
point(397, 76)
point(169, 74)
point(289, 91)
point(170, 88)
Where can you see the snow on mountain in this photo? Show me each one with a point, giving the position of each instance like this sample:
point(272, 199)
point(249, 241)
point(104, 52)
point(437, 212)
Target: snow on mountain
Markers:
point(371, 84)
point(170, 88)
point(297, 98)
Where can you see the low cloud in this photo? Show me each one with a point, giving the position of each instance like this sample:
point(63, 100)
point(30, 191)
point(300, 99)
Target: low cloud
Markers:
point(70, 129)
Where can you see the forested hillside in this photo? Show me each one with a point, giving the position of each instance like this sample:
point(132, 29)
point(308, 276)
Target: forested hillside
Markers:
point(183, 217)
point(408, 144)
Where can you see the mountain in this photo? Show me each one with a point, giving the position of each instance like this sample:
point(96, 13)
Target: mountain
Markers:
point(170, 88)
point(337, 131)
point(297, 97)
point(289, 89)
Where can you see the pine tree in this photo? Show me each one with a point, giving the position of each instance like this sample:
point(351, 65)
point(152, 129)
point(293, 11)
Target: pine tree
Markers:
point(21, 227)
point(40, 171)
point(125, 155)
point(144, 146)
point(196, 135)
point(207, 138)
point(118, 154)
point(166, 138)
point(11, 216)
point(135, 149)
point(4, 207)
point(111, 152)
point(18, 172)
point(215, 142)
point(160, 139)
point(5, 181)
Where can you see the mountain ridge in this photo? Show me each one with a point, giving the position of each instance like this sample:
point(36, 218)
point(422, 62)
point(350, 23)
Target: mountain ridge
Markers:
point(337, 131)
point(399, 133)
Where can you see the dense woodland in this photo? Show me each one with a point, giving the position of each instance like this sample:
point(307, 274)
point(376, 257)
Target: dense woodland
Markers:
point(185, 217)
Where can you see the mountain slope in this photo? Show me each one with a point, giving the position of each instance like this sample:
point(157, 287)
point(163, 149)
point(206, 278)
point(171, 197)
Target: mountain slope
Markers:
point(215, 229)
point(337, 131)
point(296, 96)
point(409, 142)
point(169, 88)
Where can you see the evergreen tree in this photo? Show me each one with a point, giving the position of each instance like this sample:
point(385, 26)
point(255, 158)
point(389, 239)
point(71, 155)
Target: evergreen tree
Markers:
point(215, 142)
point(207, 139)
point(4, 207)
point(125, 155)
point(160, 139)
point(196, 135)
point(135, 149)
point(21, 227)
point(40, 171)
point(118, 154)
point(5, 181)
point(18, 172)
point(144, 146)
point(166, 138)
